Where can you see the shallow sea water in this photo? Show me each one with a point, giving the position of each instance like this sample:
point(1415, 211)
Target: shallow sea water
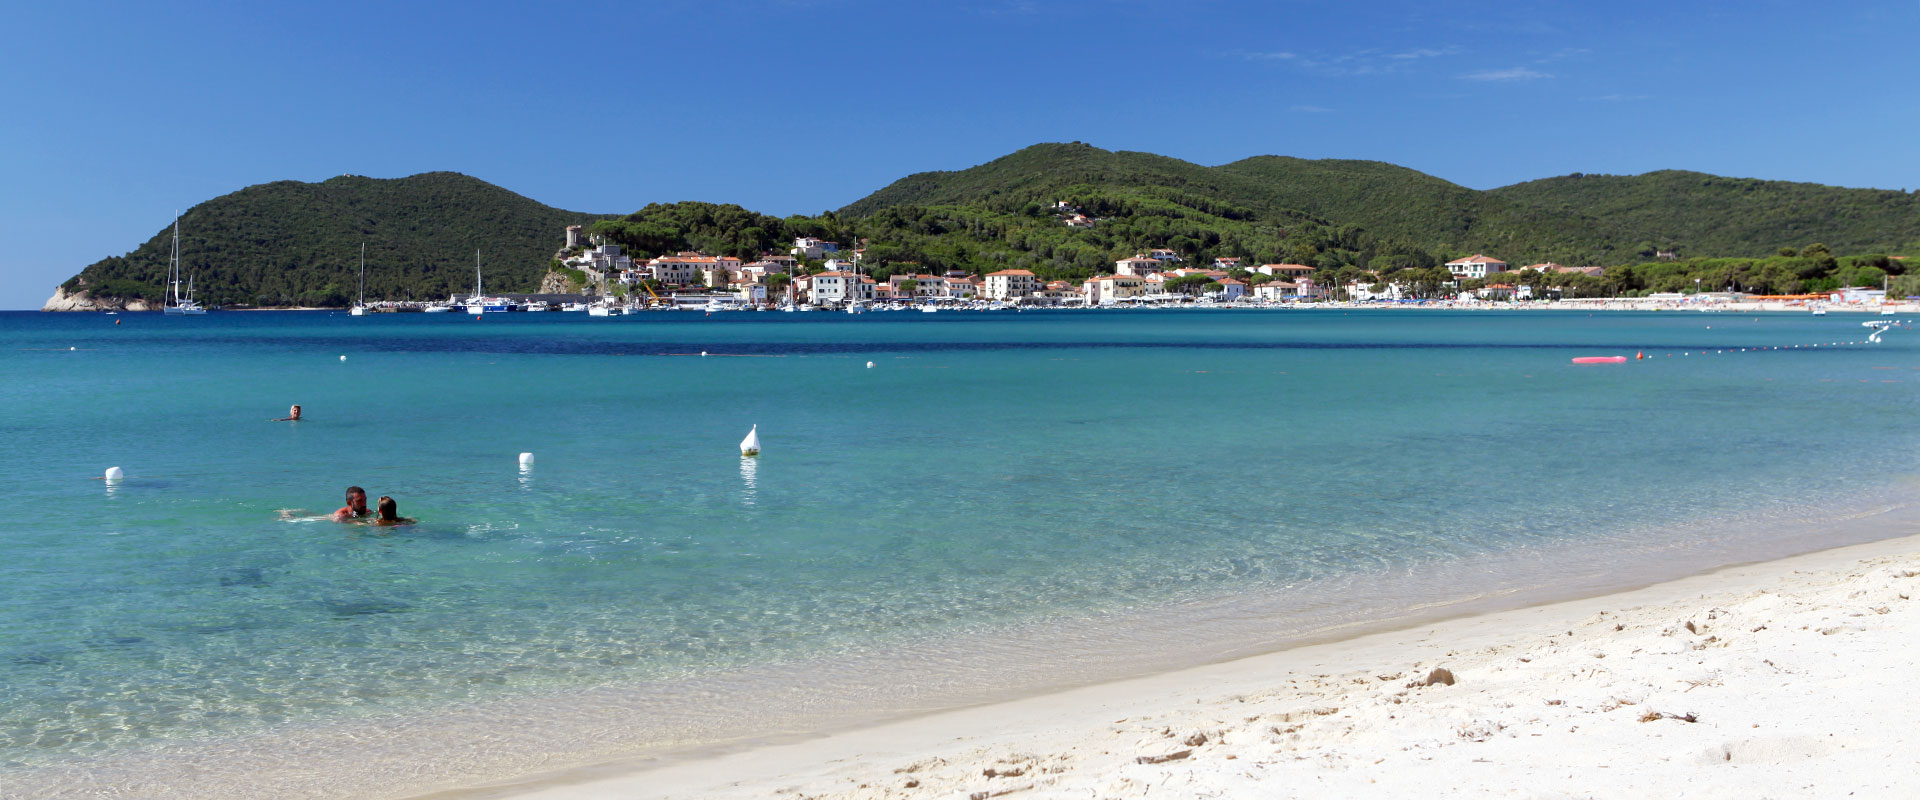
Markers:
point(1003, 501)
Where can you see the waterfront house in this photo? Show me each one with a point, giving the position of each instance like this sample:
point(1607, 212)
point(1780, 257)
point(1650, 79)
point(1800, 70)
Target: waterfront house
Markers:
point(836, 287)
point(1275, 291)
point(1011, 284)
point(1109, 289)
point(1476, 266)
point(1137, 265)
point(1288, 271)
point(1232, 289)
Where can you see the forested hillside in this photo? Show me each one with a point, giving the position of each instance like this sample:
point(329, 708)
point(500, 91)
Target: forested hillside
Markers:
point(1707, 215)
point(293, 243)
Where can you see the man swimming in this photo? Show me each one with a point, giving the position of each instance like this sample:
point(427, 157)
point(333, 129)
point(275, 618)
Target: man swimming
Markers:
point(293, 415)
point(390, 513)
point(356, 506)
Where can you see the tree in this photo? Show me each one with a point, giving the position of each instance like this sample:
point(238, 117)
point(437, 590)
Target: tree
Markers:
point(907, 286)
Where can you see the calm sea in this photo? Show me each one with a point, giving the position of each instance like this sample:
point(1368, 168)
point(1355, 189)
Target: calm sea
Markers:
point(950, 508)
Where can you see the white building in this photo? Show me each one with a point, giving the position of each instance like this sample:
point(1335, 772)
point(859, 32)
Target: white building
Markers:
point(936, 286)
point(1110, 289)
point(1231, 289)
point(1163, 255)
point(836, 287)
point(1476, 266)
point(1011, 284)
point(1137, 265)
point(1275, 291)
point(1288, 271)
point(809, 247)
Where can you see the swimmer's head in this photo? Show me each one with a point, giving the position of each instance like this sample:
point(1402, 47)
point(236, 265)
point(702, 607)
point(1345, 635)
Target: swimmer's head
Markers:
point(389, 510)
point(293, 413)
point(357, 499)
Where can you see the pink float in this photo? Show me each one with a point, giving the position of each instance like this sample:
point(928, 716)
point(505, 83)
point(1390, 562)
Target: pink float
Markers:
point(1600, 360)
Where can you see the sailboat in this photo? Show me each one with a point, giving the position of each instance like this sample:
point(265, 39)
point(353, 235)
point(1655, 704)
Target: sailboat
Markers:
point(478, 303)
point(360, 306)
point(175, 303)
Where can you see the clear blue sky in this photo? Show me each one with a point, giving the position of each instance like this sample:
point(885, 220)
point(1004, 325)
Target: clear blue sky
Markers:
point(114, 115)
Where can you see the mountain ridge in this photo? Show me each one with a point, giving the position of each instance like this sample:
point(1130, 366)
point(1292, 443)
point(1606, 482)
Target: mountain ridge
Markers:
point(296, 243)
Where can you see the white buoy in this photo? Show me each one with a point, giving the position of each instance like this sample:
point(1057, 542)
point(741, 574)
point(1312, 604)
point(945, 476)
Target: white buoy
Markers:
point(343, 358)
point(703, 354)
point(73, 348)
point(869, 365)
point(526, 459)
point(750, 446)
point(114, 474)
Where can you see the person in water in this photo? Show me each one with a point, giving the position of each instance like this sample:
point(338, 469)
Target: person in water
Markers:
point(390, 513)
point(293, 415)
point(356, 506)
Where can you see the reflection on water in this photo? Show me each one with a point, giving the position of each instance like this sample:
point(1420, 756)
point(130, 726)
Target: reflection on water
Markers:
point(526, 476)
point(749, 470)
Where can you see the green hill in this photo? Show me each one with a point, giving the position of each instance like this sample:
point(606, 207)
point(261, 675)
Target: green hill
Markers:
point(294, 243)
point(1394, 203)
point(1704, 214)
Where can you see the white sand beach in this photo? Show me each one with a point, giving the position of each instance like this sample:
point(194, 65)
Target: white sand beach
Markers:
point(1790, 678)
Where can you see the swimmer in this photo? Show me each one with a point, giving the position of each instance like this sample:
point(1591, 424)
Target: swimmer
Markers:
point(293, 415)
point(356, 506)
point(390, 513)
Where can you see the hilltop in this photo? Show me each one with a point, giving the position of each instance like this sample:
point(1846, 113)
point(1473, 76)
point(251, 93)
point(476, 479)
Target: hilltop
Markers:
point(295, 243)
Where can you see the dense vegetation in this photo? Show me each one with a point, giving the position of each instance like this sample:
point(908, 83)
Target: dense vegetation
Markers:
point(293, 243)
point(1707, 215)
point(297, 243)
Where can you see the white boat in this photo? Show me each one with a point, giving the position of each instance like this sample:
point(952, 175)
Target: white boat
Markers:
point(480, 303)
point(1819, 311)
point(360, 306)
point(438, 308)
point(606, 310)
point(928, 309)
point(854, 307)
point(175, 303)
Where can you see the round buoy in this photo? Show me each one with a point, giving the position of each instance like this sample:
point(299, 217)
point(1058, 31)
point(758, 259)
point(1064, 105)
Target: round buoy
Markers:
point(116, 322)
point(343, 358)
point(114, 474)
point(703, 354)
point(525, 459)
point(73, 348)
point(869, 365)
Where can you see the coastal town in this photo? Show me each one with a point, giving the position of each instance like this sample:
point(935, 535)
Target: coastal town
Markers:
point(591, 274)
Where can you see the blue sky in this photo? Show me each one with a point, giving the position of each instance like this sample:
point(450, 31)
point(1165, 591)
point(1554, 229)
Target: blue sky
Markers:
point(114, 115)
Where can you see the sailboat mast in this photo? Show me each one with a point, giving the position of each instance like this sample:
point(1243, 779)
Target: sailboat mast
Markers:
point(363, 273)
point(173, 262)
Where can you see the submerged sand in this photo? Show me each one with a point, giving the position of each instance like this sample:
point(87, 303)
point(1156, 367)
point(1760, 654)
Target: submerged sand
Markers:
point(1790, 678)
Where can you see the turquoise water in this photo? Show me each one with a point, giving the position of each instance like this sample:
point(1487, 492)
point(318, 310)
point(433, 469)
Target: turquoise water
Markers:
point(1050, 472)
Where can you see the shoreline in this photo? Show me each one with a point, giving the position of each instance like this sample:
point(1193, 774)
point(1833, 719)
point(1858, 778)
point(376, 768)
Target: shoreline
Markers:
point(1324, 715)
point(550, 745)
